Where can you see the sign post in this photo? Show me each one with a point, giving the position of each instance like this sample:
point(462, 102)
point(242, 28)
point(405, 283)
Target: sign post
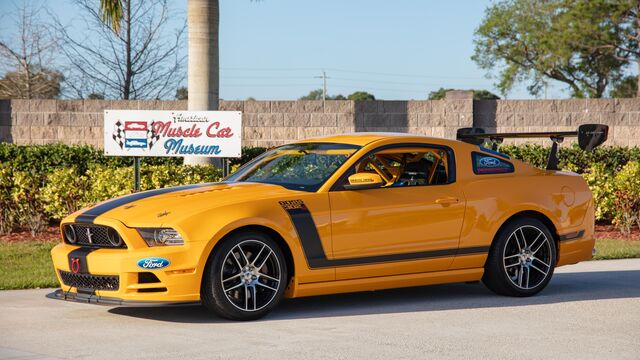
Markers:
point(139, 133)
point(136, 174)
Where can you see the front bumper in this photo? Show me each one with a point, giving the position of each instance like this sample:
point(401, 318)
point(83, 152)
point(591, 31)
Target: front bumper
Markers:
point(179, 282)
point(87, 298)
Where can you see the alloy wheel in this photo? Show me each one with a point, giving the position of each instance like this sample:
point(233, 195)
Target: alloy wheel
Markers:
point(527, 257)
point(251, 275)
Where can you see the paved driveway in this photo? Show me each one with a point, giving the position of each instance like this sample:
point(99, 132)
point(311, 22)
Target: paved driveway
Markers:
point(590, 310)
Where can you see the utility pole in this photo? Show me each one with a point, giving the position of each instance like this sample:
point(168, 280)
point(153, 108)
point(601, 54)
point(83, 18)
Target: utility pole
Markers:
point(324, 84)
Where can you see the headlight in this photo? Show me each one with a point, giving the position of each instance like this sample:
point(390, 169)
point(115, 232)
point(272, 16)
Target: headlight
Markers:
point(161, 236)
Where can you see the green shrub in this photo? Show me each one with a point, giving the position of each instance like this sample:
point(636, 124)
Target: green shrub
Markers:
point(107, 182)
point(26, 202)
point(8, 215)
point(600, 181)
point(47, 182)
point(64, 192)
point(627, 197)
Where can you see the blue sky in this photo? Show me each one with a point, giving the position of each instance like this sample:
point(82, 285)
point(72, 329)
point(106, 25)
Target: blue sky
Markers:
point(403, 49)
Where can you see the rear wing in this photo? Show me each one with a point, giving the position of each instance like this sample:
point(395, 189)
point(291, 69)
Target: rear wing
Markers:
point(589, 137)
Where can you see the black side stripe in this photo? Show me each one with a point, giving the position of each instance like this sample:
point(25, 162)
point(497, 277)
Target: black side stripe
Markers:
point(89, 216)
point(572, 236)
point(316, 258)
point(80, 255)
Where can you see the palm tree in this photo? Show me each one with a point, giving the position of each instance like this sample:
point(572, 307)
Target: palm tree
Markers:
point(203, 79)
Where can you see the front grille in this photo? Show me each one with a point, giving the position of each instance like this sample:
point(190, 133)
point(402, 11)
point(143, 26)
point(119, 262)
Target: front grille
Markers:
point(88, 281)
point(93, 235)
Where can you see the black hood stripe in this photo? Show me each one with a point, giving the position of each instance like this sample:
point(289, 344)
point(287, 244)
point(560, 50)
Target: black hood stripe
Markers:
point(89, 216)
point(316, 258)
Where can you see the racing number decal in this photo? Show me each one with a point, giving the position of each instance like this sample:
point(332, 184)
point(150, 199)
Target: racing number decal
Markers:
point(316, 258)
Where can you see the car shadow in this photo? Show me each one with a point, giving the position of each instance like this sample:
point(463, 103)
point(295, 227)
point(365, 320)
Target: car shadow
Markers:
point(564, 287)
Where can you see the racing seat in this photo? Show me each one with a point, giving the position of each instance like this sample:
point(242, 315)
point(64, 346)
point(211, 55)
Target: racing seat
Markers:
point(415, 173)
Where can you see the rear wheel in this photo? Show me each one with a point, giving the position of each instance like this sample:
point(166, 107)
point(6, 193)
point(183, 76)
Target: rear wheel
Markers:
point(522, 259)
point(245, 277)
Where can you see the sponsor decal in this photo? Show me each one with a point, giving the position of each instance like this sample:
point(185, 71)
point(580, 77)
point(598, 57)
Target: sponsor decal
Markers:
point(153, 263)
point(361, 180)
point(483, 164)
point(172, 133)
point(488, 161)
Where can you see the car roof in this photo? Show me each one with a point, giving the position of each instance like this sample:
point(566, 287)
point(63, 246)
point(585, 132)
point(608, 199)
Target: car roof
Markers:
point(363, 138)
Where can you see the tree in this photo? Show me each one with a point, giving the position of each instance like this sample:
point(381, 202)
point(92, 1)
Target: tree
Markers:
point(477, 94)
point(361, 95)
point(182, 93)
point(23, 57)
point(135, 55)
point(36, 83)
point(607, 25)
point(627, 88)
point(317, 95)
point(312, 95)
point(532, 41)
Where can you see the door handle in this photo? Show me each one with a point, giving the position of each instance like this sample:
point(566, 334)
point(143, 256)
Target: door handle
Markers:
point(447, 200)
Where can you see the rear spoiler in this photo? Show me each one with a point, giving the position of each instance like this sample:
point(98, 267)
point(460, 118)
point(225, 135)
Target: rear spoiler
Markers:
point(589, 137)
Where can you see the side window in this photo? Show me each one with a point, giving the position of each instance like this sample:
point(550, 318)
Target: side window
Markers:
point(411, 166)
point(488, 164)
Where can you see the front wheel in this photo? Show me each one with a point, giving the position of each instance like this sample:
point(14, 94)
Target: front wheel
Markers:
point(521, 260)
point(245, 277)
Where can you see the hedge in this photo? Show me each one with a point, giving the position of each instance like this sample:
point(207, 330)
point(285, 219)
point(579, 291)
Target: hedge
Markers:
point(40, 184)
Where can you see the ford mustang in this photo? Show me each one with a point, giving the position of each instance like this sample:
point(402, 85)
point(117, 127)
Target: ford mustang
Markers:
point(344, 213)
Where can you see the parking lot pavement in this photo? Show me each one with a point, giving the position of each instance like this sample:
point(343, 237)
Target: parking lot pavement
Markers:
point(589, 310)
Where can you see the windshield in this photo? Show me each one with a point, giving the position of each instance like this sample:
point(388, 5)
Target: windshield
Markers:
point(297, 166)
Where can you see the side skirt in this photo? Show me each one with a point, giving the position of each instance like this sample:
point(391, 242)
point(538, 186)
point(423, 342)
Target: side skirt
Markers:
point(384, 282)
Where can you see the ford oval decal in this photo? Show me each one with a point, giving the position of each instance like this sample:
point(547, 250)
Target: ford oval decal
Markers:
point(153, 263)
point(489, 162)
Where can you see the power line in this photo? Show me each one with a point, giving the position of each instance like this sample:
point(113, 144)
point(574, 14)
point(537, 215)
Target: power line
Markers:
point(355, 72)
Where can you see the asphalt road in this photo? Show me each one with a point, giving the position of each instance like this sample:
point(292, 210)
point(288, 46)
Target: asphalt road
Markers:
point(589, 310)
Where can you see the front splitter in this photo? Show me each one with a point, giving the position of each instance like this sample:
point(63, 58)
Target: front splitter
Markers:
point(88, 298)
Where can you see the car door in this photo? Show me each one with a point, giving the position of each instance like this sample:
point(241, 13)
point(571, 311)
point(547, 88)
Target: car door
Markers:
point(411, 225)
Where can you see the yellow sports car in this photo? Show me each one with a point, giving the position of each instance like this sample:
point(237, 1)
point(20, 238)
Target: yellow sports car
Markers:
point(336, 214)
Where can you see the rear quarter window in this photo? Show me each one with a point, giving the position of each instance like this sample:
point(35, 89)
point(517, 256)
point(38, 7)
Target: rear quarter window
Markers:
point(488, 164)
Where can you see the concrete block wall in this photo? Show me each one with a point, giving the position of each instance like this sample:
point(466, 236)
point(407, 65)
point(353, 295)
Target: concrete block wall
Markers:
point(270, 123)
point(439, 118)
point(622, 116)
point(65, 121)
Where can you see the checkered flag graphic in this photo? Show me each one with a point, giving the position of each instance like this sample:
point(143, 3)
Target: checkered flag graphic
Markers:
point(152, 136)
point(118, 134)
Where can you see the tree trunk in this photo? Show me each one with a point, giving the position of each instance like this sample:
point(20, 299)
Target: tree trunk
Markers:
point(637, 40)
point(126, 94)
point(203, 68)
point(638, 84)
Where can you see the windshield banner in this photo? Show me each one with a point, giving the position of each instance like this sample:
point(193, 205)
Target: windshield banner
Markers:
point(172, 133)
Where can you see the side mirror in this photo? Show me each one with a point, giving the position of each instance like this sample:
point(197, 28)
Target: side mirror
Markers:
point(591, 136)
point(363, 181)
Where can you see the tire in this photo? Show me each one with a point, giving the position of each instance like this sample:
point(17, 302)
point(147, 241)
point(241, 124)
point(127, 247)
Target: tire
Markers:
point(245, 277)
point(521, 260)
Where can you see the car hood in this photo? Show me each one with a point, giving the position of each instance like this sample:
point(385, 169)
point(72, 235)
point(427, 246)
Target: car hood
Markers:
point(168, 205)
